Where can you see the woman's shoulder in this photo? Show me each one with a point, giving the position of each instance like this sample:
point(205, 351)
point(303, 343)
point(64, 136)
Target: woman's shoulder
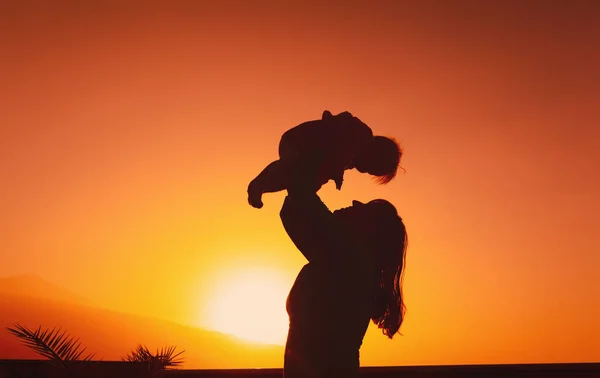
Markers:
point(352, 253)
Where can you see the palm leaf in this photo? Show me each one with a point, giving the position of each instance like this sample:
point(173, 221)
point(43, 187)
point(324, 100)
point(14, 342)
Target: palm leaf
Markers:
point(51, 343)
point(139, 354)
point(169, 357)
point(164, 357)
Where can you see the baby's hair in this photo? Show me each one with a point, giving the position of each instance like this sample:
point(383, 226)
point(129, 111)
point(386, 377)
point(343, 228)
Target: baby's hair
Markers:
point(391, 146)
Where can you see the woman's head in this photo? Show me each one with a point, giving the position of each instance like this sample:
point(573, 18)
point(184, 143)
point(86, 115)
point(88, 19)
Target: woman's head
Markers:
point(381, 159)
point(378, 221)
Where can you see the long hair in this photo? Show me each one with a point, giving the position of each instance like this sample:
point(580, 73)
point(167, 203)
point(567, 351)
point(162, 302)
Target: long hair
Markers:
point(390, 246)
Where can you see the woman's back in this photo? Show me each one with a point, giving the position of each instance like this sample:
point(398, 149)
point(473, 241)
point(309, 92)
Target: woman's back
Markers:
point(324, 296)
point(329, 311)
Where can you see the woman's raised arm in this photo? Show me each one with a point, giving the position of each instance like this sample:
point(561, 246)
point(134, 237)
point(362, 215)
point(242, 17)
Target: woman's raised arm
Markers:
point(310, 225)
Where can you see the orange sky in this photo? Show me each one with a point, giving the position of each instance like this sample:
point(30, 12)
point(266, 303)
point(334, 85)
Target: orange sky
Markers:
point(128, 135)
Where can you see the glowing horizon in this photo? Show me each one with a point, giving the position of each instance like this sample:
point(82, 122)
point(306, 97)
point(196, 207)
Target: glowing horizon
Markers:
point(248, 304)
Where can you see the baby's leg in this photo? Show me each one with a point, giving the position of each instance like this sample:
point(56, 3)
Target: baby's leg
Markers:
point(277, 175)
point(273, 178)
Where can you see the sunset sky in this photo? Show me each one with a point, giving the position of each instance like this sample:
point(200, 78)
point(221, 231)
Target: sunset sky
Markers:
point(129, 133)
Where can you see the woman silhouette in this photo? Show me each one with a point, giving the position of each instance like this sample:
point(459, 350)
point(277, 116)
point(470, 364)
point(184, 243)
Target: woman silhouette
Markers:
point(354, 274)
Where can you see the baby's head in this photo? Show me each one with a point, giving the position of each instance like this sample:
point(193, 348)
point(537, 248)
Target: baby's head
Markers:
point(381, 159)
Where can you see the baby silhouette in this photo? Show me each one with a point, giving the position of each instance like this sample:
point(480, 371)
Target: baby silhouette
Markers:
point(327, 148)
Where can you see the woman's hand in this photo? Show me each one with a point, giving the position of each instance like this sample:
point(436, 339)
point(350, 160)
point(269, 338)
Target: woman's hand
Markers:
point(306, 182)
point(309, 175)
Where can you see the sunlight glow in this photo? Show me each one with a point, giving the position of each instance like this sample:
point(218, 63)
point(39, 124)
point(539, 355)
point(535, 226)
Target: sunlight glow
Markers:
point(251, 306)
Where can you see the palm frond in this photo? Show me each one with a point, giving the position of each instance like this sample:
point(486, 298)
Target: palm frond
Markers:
point(51, 343)
point(169, 357)
point(139, 354)
point(164, 357)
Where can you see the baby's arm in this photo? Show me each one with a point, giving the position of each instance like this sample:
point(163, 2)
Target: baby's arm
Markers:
point(338, 178)
point(347, 137)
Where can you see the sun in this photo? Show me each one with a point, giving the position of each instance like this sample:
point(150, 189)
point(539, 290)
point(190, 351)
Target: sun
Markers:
point(251, 306)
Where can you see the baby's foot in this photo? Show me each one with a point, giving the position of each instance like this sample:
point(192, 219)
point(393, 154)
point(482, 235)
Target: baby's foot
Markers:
point(254, 196)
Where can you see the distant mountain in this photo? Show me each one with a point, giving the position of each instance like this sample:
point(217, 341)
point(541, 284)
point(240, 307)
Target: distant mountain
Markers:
point(32, 285)
point(111, 335)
